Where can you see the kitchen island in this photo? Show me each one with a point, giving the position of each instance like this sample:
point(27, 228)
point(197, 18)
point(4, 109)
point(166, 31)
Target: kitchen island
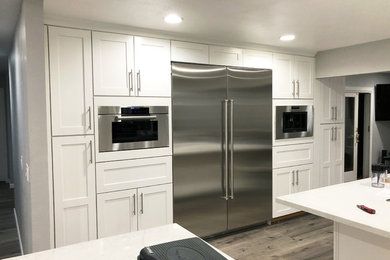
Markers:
point(357, 234)
point(126, 246)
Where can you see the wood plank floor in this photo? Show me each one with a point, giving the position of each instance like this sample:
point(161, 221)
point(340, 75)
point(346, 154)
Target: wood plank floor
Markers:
point(299, 238)
point(9, 244)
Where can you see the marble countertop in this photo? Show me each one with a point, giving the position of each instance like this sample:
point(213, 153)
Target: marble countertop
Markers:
point(126, 246)
point(338, 203)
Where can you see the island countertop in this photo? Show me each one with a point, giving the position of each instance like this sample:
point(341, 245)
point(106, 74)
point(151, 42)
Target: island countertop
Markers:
point(125, 246)
point(338, 203)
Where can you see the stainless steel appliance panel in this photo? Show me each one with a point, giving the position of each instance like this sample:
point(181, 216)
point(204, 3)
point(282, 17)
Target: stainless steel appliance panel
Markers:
point(280, 113)
point(250, 171)
point(198, 94)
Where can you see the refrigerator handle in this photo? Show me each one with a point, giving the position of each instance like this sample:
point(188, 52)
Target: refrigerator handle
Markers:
point(231, 150)
point(224, 174)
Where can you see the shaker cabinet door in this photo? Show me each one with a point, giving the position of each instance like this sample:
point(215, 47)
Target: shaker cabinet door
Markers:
point(282, 185)
point(283, 76)
point(304, 76)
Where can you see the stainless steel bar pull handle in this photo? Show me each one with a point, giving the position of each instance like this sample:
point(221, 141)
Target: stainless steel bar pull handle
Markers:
point(142, 204)
point(332, 135)
point(135, 117)
point(298, 88)
point(335, 133)
point(231, 149)
point(224, 175)
point(90, 152)
point(335, 113)
point(131, 80)
point(89, 118)
point(134, 202)
point(297, 177)
point(139, 81)
point(293, 181)
point(332, 113)
point(293, 93)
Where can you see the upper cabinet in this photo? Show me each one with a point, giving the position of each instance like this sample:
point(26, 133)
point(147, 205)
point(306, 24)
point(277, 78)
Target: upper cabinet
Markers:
point(220, 55)
point(70, 81)
point(293, 76)
point(189, 52)
point(331, 100)
point(152, 67)
point(113, 64)
point(257, 59)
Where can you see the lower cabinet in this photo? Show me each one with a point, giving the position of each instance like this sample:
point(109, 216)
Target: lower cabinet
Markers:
point(74, 189)
point(287, 181)
point(130, 210)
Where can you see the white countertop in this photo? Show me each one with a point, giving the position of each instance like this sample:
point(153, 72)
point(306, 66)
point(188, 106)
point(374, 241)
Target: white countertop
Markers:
point(338, 203)
point(126, 246)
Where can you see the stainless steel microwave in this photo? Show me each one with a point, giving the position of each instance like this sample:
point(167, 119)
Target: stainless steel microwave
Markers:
point(294, 122)
point(128, 128)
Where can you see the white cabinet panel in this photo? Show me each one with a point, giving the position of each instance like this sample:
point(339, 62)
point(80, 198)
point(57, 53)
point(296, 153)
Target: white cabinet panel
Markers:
point(304, 76)
point(189, 52)
point(152, 67)
point(303, 177)
point(120, 175)
point(74, 189)
point(332, 100)
point(285, 156)
point(155, 206)
point(282, 185)
point(283, 70)
point(225, 56)
point(117, 213)
point(326, 103)
point(70, 81)
point(113, 64)
point(257, 59)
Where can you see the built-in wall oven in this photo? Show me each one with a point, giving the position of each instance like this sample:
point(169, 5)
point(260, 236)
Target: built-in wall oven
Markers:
point(294, 121)
point(128, 128)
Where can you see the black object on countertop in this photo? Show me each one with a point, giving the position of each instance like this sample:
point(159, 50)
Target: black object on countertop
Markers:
point(191, 248)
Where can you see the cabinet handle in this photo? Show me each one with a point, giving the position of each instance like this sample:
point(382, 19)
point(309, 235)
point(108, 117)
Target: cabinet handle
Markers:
point(297, 177)
point(335, 133)
point(231, 150)
point(139, 81)
point(131, 80)
point(89, 118)
point(142, 204)
point(332, 135)
point(90, 149)
point(335, 113)
point(298, 88)
point(293, 93)
point(332, 113)
point(293, 174)
point(134, 213)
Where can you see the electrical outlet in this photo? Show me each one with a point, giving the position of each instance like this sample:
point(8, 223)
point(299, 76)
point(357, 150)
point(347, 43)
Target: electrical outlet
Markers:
point(27, 172)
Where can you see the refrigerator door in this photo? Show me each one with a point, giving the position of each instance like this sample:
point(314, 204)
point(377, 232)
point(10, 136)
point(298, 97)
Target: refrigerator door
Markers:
point(198, 92)
point(250, 174)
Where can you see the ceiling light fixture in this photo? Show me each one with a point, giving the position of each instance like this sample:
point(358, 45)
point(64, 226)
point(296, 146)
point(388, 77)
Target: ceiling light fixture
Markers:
point(173, 19)
point(287, 37)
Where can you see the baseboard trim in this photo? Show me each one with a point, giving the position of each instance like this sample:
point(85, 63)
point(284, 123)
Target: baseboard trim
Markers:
point(17, 228)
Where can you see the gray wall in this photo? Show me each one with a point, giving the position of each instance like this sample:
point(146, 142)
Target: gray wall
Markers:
point(380, 129)
point(4, 173)
point(29, 132)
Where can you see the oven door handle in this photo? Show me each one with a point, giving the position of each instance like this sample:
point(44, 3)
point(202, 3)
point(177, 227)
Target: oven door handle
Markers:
point(135, 117)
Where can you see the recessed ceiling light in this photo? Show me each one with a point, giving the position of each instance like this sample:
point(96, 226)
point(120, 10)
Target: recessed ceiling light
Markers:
point(173, 18)
point(287, 37)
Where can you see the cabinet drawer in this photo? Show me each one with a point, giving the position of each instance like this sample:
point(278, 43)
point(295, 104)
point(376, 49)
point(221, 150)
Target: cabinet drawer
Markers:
point(120, 175)
point(291, 155)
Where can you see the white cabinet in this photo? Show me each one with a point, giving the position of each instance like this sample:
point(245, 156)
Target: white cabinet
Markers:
point(293, 76)
point(286, 181)
point(129, 174)
point(70, 81)
point(189, 52)
point(152, 67)
point(220, 55)
point(113, 64)
point(257, 59)
point(331, 100)
point(117, 213)
point(136, 209)
point(74, 189)
point(291, 155)
point(331, 154)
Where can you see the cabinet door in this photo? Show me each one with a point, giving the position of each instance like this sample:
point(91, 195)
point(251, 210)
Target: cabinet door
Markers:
point(326, 101)
point(282, 185)
point(70, 81)
point(155, 206)
point(113, 64)
point(74, 189)
point(117, 213)
point(303, 177)
point(326, 156)
point(152, 67)
point(283, 76)
point(189, 52)
point(257, 59)
point(290, 155)
point(338, 153)
point(337, 174)
point(338, 99)
point(304, 76)
point(225, 56)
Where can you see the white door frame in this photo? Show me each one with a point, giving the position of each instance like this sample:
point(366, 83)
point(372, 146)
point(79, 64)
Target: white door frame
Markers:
point(366, 90)
point(352, 175)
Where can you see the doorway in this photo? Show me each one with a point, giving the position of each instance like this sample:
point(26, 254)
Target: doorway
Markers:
point(357, 136)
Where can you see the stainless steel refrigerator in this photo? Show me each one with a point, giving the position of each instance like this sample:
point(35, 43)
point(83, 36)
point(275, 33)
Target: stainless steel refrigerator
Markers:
point(222, 147)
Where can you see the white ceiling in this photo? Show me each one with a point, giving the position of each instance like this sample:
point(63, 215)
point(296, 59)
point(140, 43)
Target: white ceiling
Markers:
point(9, 14)
point(318, 24)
